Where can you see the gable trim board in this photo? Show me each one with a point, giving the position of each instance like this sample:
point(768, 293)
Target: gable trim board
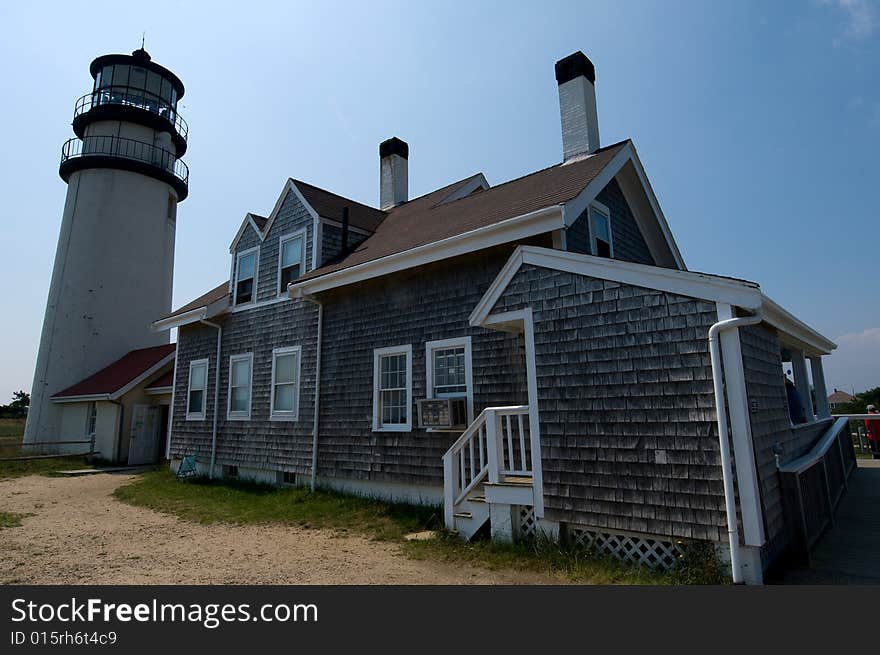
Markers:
point(511, 229)
point(115, 395)
point(247, 221)
point(657, 241)
point(476, 181)
point(738, 293)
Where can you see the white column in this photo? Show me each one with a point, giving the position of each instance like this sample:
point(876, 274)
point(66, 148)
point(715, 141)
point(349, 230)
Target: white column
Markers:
point(801, 381)
point(822, 409)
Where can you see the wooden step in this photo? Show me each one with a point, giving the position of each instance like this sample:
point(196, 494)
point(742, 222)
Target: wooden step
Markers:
point(477, 499)
point(516, 479)
point(463, 515)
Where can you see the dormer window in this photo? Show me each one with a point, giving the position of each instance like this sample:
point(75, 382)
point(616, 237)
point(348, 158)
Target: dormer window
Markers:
point(600, 231)
point(245, 276)
point(290, 259)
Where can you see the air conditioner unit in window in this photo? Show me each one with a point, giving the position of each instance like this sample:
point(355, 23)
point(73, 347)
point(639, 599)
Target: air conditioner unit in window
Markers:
point(443, 413)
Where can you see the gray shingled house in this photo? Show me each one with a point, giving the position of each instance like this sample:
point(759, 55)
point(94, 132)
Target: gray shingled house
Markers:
point(532, 355)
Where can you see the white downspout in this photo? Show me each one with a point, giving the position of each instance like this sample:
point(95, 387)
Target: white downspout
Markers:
point(216, 396)
point(724, 434)
point(313, 300)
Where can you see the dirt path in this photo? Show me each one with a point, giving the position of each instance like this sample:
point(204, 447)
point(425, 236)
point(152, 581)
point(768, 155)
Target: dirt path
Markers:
point(80, 534)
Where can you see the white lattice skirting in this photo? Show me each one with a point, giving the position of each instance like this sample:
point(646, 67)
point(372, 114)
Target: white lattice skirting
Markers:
point(653, 553)
point(528, 523)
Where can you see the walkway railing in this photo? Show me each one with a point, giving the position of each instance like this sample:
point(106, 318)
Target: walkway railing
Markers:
point(127, 96)
point(858, 431)
point(497, 444)
point(114, 146)
point(813, 484)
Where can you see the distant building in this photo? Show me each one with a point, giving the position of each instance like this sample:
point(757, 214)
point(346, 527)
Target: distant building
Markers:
point(838, 398)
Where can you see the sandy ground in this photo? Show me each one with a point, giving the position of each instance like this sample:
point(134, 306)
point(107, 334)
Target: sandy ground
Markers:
point(80, 534)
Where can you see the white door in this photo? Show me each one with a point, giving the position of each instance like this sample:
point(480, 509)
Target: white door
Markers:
point(143, 441)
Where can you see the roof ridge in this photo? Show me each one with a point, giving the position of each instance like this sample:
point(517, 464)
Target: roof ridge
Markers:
point(333, 193)
point(547, 168)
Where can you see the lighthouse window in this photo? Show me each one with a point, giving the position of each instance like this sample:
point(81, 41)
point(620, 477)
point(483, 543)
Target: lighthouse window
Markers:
point(138, 78)
point(245, 274)
point(290, 260)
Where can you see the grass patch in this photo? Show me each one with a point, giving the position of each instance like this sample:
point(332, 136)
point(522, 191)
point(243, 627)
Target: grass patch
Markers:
point(48, 466)
point(11, 519)
point(206, 502)
point(11, 429)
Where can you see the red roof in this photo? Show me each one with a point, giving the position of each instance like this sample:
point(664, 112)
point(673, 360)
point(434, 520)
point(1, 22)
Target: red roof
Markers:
point(165, 380)
point(121, 372)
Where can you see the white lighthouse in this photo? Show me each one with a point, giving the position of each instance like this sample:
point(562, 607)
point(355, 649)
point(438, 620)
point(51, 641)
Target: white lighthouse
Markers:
point(114, 263)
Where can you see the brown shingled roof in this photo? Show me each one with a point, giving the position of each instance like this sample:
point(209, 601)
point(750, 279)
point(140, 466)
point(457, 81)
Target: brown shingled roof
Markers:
point(118, 374)
point(215, 294)
point(425, 220)
point(330, 205)
point(260, 221)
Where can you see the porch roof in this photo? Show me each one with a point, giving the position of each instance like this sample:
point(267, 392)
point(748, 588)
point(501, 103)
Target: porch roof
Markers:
point(121, 376)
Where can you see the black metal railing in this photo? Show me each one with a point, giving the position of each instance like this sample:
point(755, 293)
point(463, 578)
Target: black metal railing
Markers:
point(128, 96)
point(114, 146)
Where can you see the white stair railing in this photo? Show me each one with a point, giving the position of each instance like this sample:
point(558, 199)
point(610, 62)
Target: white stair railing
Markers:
point(493, 446)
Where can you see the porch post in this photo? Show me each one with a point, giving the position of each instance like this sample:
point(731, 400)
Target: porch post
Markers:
point(822, 409)
point(802, 382)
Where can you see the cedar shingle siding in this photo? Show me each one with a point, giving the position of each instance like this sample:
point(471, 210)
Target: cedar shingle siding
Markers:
point(629, 244)
point(331, 242)
point(412, 307)
point(762, 366)
point(624, 381)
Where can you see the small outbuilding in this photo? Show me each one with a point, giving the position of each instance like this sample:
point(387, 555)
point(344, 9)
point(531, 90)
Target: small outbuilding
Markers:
point(121, 412)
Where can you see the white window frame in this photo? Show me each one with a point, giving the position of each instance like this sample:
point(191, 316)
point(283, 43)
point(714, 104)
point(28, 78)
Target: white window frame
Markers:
point(239, 415)
point(282, 415)
point(238, 257)
point(91, 430)
point(197, 416)
point(299, 234)
point(378, 353)
point(602, 209)
point(441, 344)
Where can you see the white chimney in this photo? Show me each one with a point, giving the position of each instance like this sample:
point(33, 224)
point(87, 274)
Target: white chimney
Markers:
point(576, 78)
point(393, 176)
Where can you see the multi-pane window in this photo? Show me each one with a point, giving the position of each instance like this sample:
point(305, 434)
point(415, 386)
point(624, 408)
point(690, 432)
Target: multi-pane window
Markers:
point(449, 378)
point(290, 260)
point(92, 420)
point(240, 386)
point(245, 276)
point(198, 383)
point(392, 388)
point(600, 226)
point(449, 375)
point(285, 383)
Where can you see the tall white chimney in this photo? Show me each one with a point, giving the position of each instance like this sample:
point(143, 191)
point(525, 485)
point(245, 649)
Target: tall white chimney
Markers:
point(393, 176)
point(576, 78)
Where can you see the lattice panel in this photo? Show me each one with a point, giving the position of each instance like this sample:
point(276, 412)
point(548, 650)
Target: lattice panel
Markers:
point(653, 553)
point(528, 523)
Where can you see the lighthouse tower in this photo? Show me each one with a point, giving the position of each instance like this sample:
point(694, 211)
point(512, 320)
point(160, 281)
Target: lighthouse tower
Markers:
point(114, 263)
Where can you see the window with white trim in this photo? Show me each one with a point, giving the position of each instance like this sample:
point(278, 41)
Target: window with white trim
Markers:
point(239, 406)
point(290, 260)
point(284, 401)
point(449, 372)
point(392, 389)
point(91, 420)
point(196, 389)
point(245, 287)
point(600, 231)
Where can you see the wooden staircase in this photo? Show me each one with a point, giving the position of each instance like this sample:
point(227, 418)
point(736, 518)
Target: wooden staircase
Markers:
point(490, 463)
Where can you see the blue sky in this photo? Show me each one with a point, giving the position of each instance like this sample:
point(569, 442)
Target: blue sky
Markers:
point(758, 124)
